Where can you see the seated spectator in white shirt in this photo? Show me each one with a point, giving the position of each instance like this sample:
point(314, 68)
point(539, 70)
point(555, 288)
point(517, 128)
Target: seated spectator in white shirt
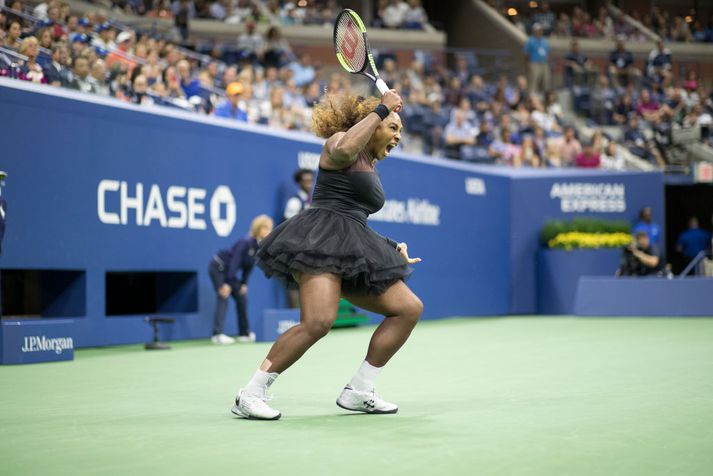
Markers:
point(612, 157)
point(393, 16)
point(458, 132)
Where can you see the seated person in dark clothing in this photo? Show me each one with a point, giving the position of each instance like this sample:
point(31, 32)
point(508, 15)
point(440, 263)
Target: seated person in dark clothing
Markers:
point(640, 258)
point(621, 65)
point(578, 69)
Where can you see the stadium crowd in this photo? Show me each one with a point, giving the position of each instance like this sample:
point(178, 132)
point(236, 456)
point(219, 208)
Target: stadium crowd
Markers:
point(389, 13)
point(451, 112)
point(576, 21)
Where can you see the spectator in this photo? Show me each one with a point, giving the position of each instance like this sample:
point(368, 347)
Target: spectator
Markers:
point(603, 98)
point(12, 37)
point(31, 69)
point(578, 69)
point(183, 12)
point(190, 85)
point(621, 65)
point(172, 84)
point(612, 157)
point(221, 9)
point(545, 17)
point(98, 72)
point(57, 72)
point(104, 38)
point(604, 24)
point(648, 226)
point(139, 91)
point(639, 144)
point(640, 258)
point(415, 17)
point(505, 151)
point(588, 157)
point(277, 50)
point(80, 79)
point(435, 120)
point(680, 30)
point(393, 15)
point(250, 42)
point(232, 107)
point(121, 53)
point(693, 240)
point(303, 71)
point(459, 132)
point(659, 65)
point(529, 157)
point(537, 51)
point(569, 148)
point(647, 107)
point(623, 109)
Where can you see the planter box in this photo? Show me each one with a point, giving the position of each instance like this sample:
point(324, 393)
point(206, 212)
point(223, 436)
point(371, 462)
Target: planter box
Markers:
point(558, 273)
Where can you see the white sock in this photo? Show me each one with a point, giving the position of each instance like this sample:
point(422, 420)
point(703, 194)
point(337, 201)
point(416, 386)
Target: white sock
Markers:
point(363, 380)
point(260, 382)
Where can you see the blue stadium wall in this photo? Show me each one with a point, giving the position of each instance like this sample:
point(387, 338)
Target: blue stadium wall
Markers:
point(99, 187)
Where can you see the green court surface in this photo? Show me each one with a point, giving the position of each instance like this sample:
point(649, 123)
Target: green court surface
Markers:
point(510, 396)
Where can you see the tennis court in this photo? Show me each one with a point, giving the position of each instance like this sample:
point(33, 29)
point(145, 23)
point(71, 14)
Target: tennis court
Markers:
point(516, 395)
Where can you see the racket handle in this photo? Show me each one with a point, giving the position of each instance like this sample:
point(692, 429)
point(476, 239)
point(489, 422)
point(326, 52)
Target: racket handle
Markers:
point(381, 86)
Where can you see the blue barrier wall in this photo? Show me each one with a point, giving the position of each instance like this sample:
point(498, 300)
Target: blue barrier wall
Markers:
point(80, 168)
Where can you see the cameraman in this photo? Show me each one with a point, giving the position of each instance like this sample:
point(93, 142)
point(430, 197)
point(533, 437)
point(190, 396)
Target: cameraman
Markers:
point(640, 258)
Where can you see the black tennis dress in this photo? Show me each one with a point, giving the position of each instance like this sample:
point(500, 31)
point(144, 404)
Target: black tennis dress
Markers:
point(333, 237)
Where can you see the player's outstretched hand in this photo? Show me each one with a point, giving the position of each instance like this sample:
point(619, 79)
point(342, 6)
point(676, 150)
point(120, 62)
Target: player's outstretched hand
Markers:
point(403, 249)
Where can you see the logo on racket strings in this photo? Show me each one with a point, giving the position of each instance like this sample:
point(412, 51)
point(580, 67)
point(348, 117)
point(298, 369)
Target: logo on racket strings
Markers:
point(350, 40)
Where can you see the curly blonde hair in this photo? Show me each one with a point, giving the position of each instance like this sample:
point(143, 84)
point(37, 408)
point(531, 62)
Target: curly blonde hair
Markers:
point(338, 112)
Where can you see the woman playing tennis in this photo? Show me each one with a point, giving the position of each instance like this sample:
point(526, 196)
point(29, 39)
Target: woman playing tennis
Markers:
point(330, 251)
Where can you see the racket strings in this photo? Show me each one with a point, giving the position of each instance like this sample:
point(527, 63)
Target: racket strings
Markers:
point(350, 43)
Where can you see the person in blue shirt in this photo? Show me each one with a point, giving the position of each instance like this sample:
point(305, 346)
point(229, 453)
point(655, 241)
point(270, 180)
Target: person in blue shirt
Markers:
point(693, 240)
point(537, 51)
point(646, 224)
point(190, 85)
point(224, 269)
point(232, 107)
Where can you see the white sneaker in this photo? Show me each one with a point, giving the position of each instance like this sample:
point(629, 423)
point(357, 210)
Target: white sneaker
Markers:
point(247, 338)
point(253, 407)
point(367, 402)
point(222, 339)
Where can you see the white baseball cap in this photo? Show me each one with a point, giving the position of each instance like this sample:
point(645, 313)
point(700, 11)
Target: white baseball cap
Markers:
point(122, 37)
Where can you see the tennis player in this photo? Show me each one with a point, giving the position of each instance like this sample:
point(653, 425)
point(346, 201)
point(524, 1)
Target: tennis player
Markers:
point(330, 251)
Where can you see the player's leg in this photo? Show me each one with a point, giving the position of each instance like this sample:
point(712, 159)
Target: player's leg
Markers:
point(241, 308)
point(320, 296)
point(402, 309)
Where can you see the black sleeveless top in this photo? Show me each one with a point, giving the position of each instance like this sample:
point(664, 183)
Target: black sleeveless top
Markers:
point(355, 191)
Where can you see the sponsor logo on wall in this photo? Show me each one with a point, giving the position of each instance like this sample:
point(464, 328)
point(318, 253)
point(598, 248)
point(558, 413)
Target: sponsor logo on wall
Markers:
point(308, 160)
point(474, 186)
point(414, 211)
point(44, 344)
point(174, 207)
point(579, 197)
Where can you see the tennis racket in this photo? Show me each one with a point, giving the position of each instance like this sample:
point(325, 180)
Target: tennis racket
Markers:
point(352, 48)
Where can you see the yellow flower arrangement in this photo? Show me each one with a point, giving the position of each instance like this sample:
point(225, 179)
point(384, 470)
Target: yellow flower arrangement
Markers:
point(577, 239)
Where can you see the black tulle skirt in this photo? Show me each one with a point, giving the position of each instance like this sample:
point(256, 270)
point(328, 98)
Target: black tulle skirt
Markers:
point(320, 240)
